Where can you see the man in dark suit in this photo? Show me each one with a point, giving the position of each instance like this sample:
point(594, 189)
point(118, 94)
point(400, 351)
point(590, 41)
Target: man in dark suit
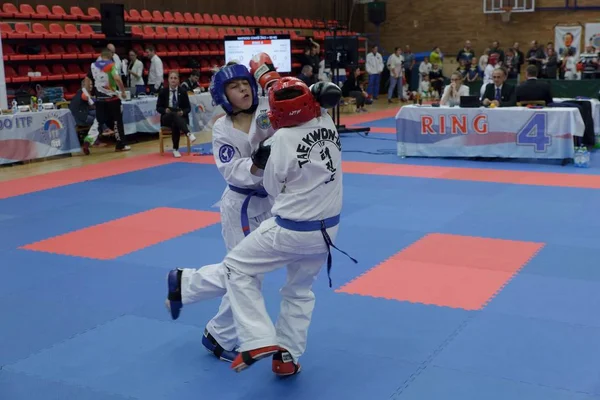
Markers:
point(499, 93)
point(532, 89)
point(173, 105)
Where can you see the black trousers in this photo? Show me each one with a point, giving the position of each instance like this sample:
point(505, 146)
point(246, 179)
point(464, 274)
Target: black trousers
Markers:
point(108, 112)
point(178, 125)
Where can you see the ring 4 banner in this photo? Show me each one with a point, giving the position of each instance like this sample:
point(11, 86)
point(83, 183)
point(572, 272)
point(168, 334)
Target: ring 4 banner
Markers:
point(480, 132)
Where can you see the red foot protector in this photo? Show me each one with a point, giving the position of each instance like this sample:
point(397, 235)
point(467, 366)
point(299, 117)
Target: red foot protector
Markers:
point(446, 270)
point(125, 235)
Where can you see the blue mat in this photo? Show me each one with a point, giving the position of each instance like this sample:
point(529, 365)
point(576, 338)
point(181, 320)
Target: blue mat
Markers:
point(451, 384)
point(535, 351)
point(89, 329)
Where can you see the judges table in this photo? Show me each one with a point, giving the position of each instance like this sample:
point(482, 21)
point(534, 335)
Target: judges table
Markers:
point(140, 115)
point(39, 134)
point(510, 132)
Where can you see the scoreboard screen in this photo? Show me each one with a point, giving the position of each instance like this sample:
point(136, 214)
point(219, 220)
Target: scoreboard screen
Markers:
point(241, 49)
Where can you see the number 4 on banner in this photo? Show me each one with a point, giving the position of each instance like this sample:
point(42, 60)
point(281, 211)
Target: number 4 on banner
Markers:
point(533, 133)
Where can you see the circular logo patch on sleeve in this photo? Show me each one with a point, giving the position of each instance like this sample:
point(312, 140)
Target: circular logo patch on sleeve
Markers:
point(263, 121)
point(226, 153)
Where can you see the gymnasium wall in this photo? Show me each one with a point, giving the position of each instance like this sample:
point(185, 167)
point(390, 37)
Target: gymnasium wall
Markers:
point(314, 9)
point(424, 24)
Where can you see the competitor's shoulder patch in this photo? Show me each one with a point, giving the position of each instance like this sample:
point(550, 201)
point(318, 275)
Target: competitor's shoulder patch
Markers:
point(226, 153)
point(263, 121)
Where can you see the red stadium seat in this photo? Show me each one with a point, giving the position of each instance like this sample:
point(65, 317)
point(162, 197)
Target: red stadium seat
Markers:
point(136, 31)
point(225, 20)
point(44, 11)
point(161, 32)
point(198, 19)
point(194, 49)
point(172, 50)
point(94, 13)
point(188, 18)
point(149, 32)
point(257, 21)
point(78, 12)
point(134, 15)
point(71, 32)
point(9, 11)
point(24, 70)
point(178, 18)
point(216, 20)
point(22, 31)
point(60, 12)
point(183, 33)
point(43, 69)
point(157, 16)
point(146, 16)
point(172, 32)
point(183, 50)
point(88, 31)
point(207, 19)
point(168, 17)
point(194, 33)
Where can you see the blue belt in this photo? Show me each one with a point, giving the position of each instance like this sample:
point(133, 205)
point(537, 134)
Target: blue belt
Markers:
point(260, 192)
point(311, 226)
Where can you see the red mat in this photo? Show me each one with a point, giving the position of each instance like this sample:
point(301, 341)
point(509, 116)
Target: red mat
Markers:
point(51, 180)
point(125, 235)
point(446, 270)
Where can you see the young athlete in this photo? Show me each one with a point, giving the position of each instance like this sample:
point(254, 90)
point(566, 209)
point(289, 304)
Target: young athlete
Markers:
point(244, 203)
point(303, 173)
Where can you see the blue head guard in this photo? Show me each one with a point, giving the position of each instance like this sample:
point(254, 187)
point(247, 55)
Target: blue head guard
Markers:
point(225, 75)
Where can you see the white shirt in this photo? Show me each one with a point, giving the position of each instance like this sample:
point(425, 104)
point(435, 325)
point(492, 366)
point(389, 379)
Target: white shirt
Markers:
point(136, 68)
point(448, 99)
point(304, 171)
point(374, 63)
point(487, 74)
point(156, 72)
point(233, 149)
point(394, 63)
point(425, 68)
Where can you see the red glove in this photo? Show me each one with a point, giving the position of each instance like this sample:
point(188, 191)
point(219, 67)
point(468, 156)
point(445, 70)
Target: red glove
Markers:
point(263, 70)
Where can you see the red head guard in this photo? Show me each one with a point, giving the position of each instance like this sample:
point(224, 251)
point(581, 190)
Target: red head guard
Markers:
point(291, 103)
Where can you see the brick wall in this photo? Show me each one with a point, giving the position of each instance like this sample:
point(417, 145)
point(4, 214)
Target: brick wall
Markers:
point(448, 23)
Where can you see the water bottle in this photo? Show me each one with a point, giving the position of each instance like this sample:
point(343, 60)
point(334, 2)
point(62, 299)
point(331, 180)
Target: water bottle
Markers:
point(40, 104)
point(582, 157)
point(15, 106)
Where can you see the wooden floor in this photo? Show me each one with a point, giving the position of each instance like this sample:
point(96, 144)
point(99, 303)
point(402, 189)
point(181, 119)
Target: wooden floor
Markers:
point(108, 153)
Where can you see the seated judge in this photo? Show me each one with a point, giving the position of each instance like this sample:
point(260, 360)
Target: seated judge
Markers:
point(454, 91)
point(173, 105)
point(533, 89)
point(499, 93)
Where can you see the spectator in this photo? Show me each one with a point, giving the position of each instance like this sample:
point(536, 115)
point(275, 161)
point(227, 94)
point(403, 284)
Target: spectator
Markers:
point(436, 79)
point(395, 66)
point(191, 82)
point(570, 66)
point(315, 59)
point(535, 56)
point(83, 109)
point(484, 60)
point(473, 73)
point(589, 61)
point(156, 72)
point(351, 88)
point(135, 73)
point(519, 59)
point(374, 69)
point(466, 53)
point(425, 67)
point(532, 89)
point(511, 64)
point(173, 105)
point(495, 49)
point(462, 68)
point(409, 63)
point(306, 75)
point(436, 57)
point(550, 64)
point(499, 93)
